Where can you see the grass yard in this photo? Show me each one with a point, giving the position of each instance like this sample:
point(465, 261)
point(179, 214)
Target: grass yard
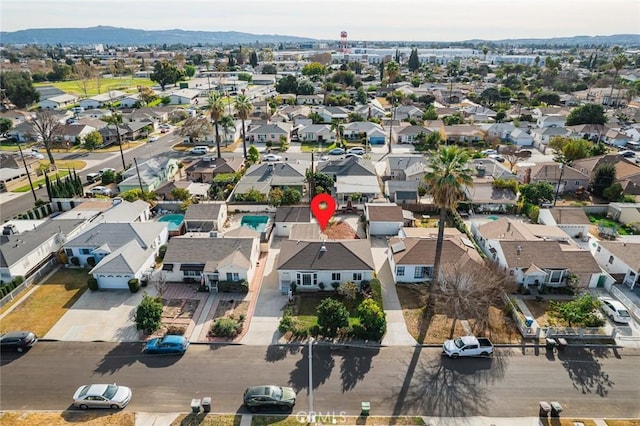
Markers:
point(413, 298)
point(123, 84)
point(105, 418)
point(48, 303)
point(207, 420)
point(306, 309)
point(329, 420)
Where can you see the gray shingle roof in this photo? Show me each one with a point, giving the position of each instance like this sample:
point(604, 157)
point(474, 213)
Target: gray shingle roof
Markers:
point(206, 250)
point(353, 255)
point(203, 211)
point(298, 214)
point(115, 235)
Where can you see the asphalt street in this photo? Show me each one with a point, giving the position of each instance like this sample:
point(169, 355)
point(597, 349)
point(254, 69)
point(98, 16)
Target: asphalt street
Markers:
point(398, 380)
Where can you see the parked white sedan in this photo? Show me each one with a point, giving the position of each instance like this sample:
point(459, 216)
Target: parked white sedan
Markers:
point(272, 157)
point(614, 310)
point(102, 396)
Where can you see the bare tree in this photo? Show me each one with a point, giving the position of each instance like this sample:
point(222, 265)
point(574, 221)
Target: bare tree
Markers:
point(195, 128)
point(469, 290)
point(160, 283)
point(84, 73)
point(510, 154)
point(45, 126)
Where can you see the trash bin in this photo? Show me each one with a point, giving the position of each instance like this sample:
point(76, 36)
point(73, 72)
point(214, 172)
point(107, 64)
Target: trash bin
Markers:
point(195, 406)
point(206, 404)
point(365, 408)
point(551, 343)
point(545, 409)
point(556, 409)
point(528, 321)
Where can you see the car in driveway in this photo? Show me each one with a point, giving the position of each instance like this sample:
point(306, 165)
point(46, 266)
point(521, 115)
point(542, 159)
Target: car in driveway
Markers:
point(614, 310)
point(102, 396)
point(101, 190)
point(272, 157)
point(356, 150)
point(169, 344)
point(627, 153)
point(489, 152)
point(17, 341)
point(199, 150)
point(336, 151)
point(153, 138)
point(269, 396)
point(497, 157)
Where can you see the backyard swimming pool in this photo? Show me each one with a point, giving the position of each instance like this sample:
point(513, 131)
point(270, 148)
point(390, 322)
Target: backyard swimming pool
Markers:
point(257, 223)
point(174, 220)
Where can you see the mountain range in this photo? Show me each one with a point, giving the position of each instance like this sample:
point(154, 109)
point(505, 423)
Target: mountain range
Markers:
point(130, 37)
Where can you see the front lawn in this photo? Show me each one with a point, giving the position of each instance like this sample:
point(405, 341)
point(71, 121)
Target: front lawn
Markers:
point(207, 420)
point(48, 303)
point(328, 420)
point(306, 305)
point(20, 418)
point(443, 326)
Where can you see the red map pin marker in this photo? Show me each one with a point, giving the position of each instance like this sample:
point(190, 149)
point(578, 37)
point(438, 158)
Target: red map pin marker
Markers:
point(323, 206)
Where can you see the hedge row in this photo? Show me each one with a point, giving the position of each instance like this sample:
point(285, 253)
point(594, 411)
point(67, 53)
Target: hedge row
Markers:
point(6, 288)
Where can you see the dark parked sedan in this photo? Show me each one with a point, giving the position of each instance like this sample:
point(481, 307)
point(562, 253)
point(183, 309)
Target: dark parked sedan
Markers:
point(269, 396)
point(17, 341)
point(169, 344)
point(336, 151)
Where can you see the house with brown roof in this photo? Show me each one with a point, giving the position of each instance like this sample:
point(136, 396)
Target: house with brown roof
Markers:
point(209, 260)
point(206, 168)
point(411, 258)
point(627, 173)
point(563, 178)
point(572, 220)
point(385, 219)
point(620, 258)
point(463, 133)
point(538, 264)
point(314, 265)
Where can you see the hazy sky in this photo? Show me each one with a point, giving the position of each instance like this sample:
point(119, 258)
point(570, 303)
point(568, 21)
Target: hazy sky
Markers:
point(428, 20)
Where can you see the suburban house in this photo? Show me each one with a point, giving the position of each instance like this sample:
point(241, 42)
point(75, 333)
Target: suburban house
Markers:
point(205, 216)
point(117, 252)
point(498, 130)
point(149, 175)
point(573, 221)
point(563, 178)
point(411, 259)
point(520, 137)
point(621, 259)
point(408, 112)
point(384, 219)
point(26, 245)
point(147, 116)
point(366, 132)
point(543, 135)
point(110, 134)
point(103, 100)
point(264, 177)
point(288, 216)
point(320, 133)
point(616, 138)
point(271, 132)
point(208, 260)
point(58, 102)
point(130, 101)
point(550, 121)
point(464, 133)
point(592, 132)
point(484, 195)
point(184, 97)
point(402, 191)
point(330, 113)
point(627, 173)
point(549, 263)
point(315, 99)
point(352, 176)
point(411, 134)
point(315, 265)
point(13, 173)
point(72, 133)
point(396, 166)
point(206, 168)
point(625, 213)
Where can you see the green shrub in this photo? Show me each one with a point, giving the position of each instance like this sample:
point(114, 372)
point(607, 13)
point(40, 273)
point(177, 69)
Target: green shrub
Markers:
point(161, 252)
point(92, 283)
point(233, 286)
point(134, 285)
point(226, 327)
point(18, 280)
point(335, 285)
point(287, 323)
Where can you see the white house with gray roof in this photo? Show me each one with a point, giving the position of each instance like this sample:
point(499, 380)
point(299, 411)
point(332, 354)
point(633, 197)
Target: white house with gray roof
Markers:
point(620, 258)
point(117, 252)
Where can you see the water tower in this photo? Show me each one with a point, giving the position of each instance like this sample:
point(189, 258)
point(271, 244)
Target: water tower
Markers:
point(343, 41)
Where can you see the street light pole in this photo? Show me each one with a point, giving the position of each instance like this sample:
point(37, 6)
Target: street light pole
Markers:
point(312, 415)
point(26, 169)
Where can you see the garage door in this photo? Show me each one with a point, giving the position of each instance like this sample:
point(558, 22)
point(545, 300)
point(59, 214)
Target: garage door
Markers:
point(113, 282)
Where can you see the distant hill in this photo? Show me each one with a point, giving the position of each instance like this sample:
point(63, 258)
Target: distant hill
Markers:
point(129, 37)
point(132, 37)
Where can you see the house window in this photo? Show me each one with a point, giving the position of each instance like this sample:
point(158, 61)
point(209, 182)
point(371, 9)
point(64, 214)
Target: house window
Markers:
point(335, 276)
point(555, 276)
point(307, 279)
point(233, 276)
point(610, 260)
point(577, 183)
point(69, 252)
point(85, 251)
point(191, 274)
point(400, 271)
point(357, 276)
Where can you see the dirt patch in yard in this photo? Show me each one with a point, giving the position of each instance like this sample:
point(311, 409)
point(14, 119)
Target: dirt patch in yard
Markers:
point(207, 420)
point(179, 308)
point(539, 311)
point(67, 418)
point(443, 326)
point(340, 231)
point(231, 308)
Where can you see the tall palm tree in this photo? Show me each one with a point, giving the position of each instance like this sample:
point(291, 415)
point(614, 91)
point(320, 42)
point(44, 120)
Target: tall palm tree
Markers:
point(216, 110)
point(393, 70)
point(618, 63)
point(445, 180)
point(228, 126)
point(244, 107)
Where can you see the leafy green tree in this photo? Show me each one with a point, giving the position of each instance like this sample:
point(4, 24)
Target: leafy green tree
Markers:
point(305, 87)
point(18, 88)
point(393, 71)
point(252, 195)
point(165, 73)
point(586, 114)
point(243, 107)
point(180, 194)
point(536, 193)
point(618, 62)
point(321, 181)
point(430, 114)
point(414, 61)
point(579, 312)
point(314, 70)
point(445, 181)
point(5, 125)
point(569, 150)
point(245, 76)
point(189, 70)
point(269, 69)
point(598, 149)
point(291, 196)
point(332, 315)
point(288, 84)
point(93, 140)
point(148, 315)
point(603, 177)
point(254, 155)
point(275, 197)
point(613, 193)
point(549, 98)
point(361, 96)
point(253, 59)
point(372, 319)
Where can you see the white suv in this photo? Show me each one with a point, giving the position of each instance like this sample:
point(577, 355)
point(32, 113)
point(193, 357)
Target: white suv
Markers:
point(614, 310)
point(101, 190)
point(199, 150)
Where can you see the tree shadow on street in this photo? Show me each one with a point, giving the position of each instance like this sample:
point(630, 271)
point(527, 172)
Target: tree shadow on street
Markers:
point(277, 353)
point(356, 363)
point(585, 371)
point(323, 364)
point(122, 355)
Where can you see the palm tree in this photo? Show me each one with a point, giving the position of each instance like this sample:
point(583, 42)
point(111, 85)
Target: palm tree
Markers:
point(228, 126)
point(244, 107)
point(393, 71)
point(445, 180)
point(618, 63)
point(216, 109)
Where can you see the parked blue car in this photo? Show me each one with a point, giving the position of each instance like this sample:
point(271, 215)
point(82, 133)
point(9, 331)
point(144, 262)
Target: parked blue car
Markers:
point(167, 345)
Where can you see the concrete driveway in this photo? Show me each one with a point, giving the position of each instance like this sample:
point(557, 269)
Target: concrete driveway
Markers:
point(100, 316)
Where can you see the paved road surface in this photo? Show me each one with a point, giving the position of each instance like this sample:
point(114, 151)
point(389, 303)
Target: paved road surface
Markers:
point(594, 384)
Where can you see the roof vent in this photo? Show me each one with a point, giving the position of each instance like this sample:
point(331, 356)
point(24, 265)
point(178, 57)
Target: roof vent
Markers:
point(9, 230)
point(323, 248)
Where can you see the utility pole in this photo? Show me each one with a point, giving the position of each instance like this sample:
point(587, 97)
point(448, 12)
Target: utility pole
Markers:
point(26, 169)
point(393, 117)
point(312, 415)
point(138, 173)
